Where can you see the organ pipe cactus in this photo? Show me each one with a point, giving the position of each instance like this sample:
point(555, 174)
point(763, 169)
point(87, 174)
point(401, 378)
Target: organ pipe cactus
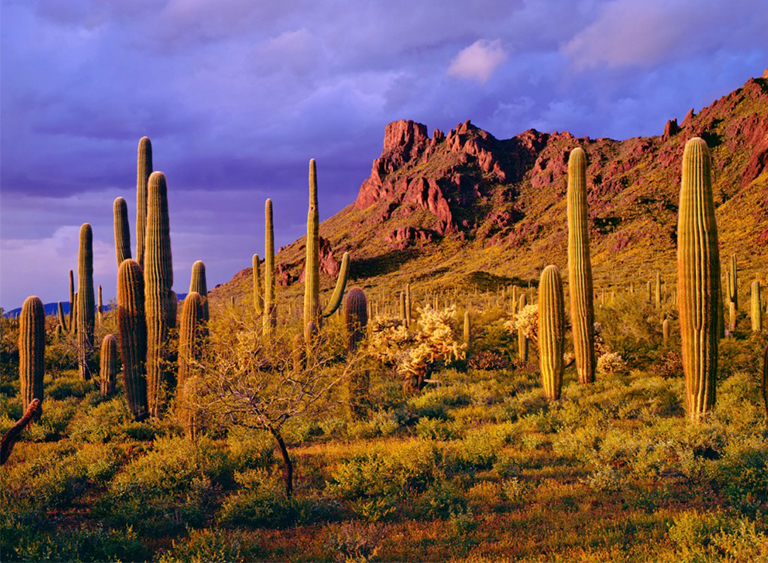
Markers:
point(580, 268)
point(698, 279)
point(132, 327)
point(85, 302)
point(199, 285)
point(122, 231)
point(31, 351)
point(270, 310)
point(312, 308)
point(108, 372)
point(143, 171)
point(159, 299)
point(757, 310)
point(191, 334)
point(551, 331)
point(258, 299)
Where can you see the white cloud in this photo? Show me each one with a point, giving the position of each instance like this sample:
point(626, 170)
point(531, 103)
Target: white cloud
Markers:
point(478, 61)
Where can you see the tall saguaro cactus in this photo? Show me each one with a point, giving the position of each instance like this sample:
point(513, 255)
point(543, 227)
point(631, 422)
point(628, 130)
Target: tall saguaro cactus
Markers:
point(698, 279)
point(580, 268)
point(199, 285)
point(733, 283)
point(270, 311)
point(551, 331)
point(31, 351)
point(122, 231)
point(99, 308)
point(522, 340)
point(60, 315)
point(757, 310)
point(312, 310)
point(356, 321)
point(132, 327)
point(71, 301)
point(108, 371)
point(158, 277)
point(191, 333)
point(143, 171)
point(658, 290)
point(85, 302)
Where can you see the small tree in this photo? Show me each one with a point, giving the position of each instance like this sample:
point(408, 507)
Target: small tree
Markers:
point(251, 381)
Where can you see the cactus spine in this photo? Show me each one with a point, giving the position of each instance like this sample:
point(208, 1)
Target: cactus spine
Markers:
point(158, 296)
point(757, 318)
point(132, 327)
point(199, 285)
point(108, 372)
point(191, 327)
point(85, 304)
point(312, 269)
point(270, 318)
point(143, 171)
point(580, 268)
point(122, 231)
point(522, 340)
point(698, 279)
point(551, 331)
point(31, 351)
point(258, 300)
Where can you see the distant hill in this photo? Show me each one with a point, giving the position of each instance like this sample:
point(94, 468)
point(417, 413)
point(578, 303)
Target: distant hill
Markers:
point(52, 308)
point(465, 208)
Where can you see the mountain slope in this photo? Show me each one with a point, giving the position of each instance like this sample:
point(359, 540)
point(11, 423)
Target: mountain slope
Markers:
point(441, 209)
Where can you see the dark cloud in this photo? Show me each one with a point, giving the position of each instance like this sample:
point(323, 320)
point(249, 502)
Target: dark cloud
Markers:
point(238, 95)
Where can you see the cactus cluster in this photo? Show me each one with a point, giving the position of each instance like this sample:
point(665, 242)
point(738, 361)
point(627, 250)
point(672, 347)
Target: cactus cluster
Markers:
point(698, 279)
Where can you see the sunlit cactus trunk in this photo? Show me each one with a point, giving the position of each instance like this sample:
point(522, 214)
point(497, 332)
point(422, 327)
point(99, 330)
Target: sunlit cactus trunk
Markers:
point(143, 171)
point(159, 299)
point(522, 340)
point(733, 283)
point(108, 371)
point(31, 351)
point(71, 301)
point(99, 308)
point(580, 268)
point(199, 284)
point(270, 309)
point(132, 328)
point(757, 310)
point(85, 302)
point(192, 327)
point(356, 322)
point(122, 231)
point(60, 316)
point(467, 328)
point(698, 279)
point(551, 331)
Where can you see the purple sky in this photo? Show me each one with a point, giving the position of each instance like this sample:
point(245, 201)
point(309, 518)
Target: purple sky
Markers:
point(238, 95)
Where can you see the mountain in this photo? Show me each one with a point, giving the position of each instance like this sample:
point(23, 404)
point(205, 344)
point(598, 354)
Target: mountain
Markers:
point(465, 207)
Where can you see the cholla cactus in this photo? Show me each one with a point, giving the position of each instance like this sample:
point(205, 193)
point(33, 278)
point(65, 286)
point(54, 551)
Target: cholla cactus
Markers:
point(525, 323)
point(387, 339)
point(611, 363)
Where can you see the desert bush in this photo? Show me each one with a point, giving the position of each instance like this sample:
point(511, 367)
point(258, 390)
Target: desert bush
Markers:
point(611, 363)
point(354, 542)
point(259, 501)
point(378, 423)
point(208, 546)
point(68, 386)
point(78, 544)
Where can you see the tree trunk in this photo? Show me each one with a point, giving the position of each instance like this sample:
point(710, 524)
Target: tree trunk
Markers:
point(288, 465)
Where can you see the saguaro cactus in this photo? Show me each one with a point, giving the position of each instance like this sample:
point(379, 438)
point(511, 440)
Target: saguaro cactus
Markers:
point(71, 301)
point(551, 331)
point(658, 290)
point(143, 171)
point(108, 372)
point(132, 327)
point(467, 328)
point(757, 310)
point(85, 302)
point(312, 273)
point(122, 231)
point(158, 277)
point(258, 299)
point(199, 285)
point(522, 340)
point(355, 317)
point(99, 309)
point(733, 283)
point(191, 333)
point(698, 279)
point(408, 305)
point(665, 331)
point(31, 351)
point(270, 316)
point(580, 268)
point(60, 315)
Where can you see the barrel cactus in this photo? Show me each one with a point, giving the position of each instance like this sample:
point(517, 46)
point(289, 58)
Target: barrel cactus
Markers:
point(580, 268)
point(551, 331)
point(85, 302)
point(132, 328)
point(159, 299)
point(108, 372)
point(698, 279)
point(122, 231)
point(31, 351)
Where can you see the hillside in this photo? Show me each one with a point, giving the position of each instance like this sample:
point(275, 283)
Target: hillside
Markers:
point(437, 210)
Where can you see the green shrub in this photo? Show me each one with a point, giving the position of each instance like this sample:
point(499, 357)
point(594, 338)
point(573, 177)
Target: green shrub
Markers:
point(67, 386)
point(83, 543)
point(208, 546)
point(259, 501)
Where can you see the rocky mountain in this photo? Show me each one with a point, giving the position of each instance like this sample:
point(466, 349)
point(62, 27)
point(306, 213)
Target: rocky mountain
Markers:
point(463, 205)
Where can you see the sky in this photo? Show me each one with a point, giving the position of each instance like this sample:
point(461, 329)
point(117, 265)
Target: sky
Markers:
point(238, 95)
